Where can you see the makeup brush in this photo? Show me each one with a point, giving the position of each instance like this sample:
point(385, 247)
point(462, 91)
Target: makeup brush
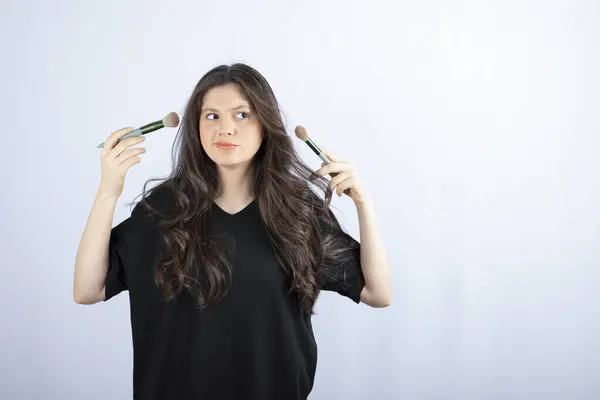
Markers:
point(171, 120)
point(303, 135)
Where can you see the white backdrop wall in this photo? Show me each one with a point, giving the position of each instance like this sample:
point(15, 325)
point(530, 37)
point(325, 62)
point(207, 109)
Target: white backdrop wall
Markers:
point(472, 123)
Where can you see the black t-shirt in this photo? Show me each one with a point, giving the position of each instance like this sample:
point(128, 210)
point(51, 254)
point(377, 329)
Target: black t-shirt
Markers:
point(255, 343)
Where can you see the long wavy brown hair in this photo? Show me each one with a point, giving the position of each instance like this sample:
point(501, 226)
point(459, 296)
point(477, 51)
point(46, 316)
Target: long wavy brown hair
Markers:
point(293, 202)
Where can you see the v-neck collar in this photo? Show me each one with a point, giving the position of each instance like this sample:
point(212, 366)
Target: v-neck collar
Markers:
point(221, 211)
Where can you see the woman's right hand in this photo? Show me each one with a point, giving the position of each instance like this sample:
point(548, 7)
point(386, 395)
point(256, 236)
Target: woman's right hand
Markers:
point(116, 158)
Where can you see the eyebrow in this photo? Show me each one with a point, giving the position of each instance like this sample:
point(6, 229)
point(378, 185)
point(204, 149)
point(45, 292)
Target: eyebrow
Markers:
point(231, 109)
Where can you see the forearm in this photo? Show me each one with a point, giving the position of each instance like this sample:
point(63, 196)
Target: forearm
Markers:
point(373, 256)
point(91, 263)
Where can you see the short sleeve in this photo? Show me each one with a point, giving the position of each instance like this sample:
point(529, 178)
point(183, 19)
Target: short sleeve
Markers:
point(345, 278)
point(124, 241)
point(130, 239)
point(116, 278)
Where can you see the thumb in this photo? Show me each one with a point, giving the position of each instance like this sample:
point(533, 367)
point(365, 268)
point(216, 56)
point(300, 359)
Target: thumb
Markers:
point(330, 155)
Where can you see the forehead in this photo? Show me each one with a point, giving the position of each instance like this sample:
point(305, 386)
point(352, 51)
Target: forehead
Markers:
point(225, 97)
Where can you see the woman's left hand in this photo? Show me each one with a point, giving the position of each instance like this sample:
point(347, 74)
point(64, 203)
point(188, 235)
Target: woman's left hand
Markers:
point(343, 179)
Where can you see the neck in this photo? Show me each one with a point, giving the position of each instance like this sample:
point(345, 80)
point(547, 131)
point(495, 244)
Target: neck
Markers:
point(236, 184)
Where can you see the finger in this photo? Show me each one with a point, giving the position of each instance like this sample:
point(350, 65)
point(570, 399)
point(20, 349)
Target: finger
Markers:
point(114, 137)
point(338, 179)
point(125, 144)
point(334, 167)
point(329, 155)
point(128, 154)
point(131, 161)
point(345, 185)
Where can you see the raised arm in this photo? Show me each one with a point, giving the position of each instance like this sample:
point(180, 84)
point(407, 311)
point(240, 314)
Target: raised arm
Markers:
point(92, 261)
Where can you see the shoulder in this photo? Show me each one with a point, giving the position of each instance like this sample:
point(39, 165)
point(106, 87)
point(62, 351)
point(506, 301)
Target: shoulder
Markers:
point(155, 205)
point(156, 202)
point(322, 212)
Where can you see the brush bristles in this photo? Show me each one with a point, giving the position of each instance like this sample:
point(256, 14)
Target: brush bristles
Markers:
point(301, 133)
point(171, 120)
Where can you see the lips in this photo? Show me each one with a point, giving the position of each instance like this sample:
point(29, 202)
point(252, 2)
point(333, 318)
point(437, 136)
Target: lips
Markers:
point(225, 145)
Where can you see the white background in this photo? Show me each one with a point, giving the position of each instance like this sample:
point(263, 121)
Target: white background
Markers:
point(473, 125)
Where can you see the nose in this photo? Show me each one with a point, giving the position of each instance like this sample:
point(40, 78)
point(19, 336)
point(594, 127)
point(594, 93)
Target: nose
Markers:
point(226, 128)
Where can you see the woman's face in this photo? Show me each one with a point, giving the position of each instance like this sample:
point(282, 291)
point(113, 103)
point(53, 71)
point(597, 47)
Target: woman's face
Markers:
point(230, 132)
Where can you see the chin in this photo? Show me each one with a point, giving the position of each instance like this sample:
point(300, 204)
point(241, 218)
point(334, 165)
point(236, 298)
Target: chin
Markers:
point(229, 162)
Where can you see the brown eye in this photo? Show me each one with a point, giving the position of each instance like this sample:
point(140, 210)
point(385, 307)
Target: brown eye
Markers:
point(208, 116)
point(245, 114)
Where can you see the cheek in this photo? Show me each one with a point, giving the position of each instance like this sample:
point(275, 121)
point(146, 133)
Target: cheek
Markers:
point(256, 135)
point(205, 139)
point(254, 143)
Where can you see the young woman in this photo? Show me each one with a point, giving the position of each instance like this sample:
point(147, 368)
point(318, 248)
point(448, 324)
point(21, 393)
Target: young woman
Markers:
point(225, 258)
